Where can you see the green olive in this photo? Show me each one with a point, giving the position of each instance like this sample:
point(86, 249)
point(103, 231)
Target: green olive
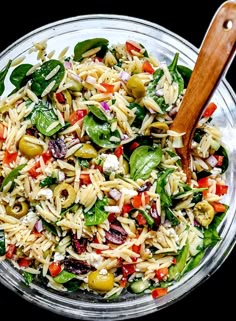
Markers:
point(203, 213)
point(101, 282)
point(125, 166)
point(136, 86)
point(66, 193)
point(18, 210)
point(86, 151)
point(29, 149)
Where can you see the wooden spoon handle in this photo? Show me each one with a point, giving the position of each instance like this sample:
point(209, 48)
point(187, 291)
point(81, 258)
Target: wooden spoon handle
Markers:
point(217, 49)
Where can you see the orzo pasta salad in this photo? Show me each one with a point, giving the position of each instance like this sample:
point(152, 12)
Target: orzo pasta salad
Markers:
point(93, 196)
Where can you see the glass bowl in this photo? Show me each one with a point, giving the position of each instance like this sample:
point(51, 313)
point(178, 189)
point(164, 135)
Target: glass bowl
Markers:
point(163, 44)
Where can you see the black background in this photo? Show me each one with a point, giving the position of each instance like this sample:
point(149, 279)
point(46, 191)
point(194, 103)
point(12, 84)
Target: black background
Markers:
point(189, 21)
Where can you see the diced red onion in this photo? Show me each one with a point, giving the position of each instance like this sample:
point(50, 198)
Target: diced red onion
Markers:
point(105, 106)
point(39, 226)
point(68, 65)
point(115, 194)
point(159, 92)
point(212, 161)
point(91, 80)
point(124, 75)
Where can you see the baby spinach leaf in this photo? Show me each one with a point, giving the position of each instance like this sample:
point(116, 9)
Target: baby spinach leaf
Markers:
point(49, 227)
point(176, 76)
point(143, 160)
point(176, 270)
point(186, 73)
point(2, 243)
point(73, 285)
point(100, 131)
point(140, 113)
point(88, 44)
point(194, 261)
point(3, 74)
point(64, 276)
point(222, 152)
point(160, 189)
point(198, 134)
point(42, 117)
point(97, 112)
point(96, 215)
point(18, 76)
point(39, 83)
point(11, 177)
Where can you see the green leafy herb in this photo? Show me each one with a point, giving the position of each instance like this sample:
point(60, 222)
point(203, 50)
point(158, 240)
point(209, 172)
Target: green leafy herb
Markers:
point(197, 197)
point(64, 276)
point(42, 117)
point(176, 270)
point(171, 217)
point(143, 160)
point(176, 76)
point(39, 83)
point(198, 134)
point(160, 189)
point(73, 208)
point(28, 277)
point(83, 162)
point(18, 76)
point(11, 177)
point(172, 154)
point(100, 131)
point(186, 73)
point(88, 44)
point(2, 243)
point(140, 114)
point(222, 152)
point(50, 227)
point(48, 181)
point(73, 285)
point(96, 215)
point(3, 74)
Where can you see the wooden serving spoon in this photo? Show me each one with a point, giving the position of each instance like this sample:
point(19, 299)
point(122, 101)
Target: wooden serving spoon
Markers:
point(216, 52)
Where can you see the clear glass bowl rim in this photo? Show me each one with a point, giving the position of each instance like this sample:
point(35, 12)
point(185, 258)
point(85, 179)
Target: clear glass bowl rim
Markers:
point(141, 305)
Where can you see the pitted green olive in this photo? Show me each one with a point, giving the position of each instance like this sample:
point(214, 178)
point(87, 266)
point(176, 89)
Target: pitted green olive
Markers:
point(101, 282)
point(28, 148)
point(66, 193)
point(136, 86)
point(18, 210)
point(86, 151)
point(203, 213)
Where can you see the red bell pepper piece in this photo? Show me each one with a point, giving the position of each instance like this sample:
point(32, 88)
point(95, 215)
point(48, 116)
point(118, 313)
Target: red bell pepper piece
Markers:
point(24, 262)
point(133, 146)
point(54, 268)
point(221, 189)
point(147, 67)
point(108, 88)
point(9, 157)
point(10, 251)
point(218, 207)
point(203, 183)
point(158, 292)
point(141, 220)
point(119, 151)
point(60, 98)
point(209, 110)
point(126, 208)
point(220, 160)
point(77, 115)
point(130, 46)
point(162, 273)
point(128, 269)
point(85, 179)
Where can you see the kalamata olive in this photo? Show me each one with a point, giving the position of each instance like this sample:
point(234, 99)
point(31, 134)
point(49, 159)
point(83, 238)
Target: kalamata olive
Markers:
point(57, 147)
point(76, 266)
point(28, 148)
point(79, 245)
point(154, 214)
point(100, 281)
point(116, 234)
point(145, 187)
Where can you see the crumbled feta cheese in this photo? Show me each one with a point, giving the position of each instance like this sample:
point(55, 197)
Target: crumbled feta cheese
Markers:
point(103, 272)
point(31, 216)
point(61, 176)
point(94, 259)
point(173, 234)
point(58, 256)
point(45, 193)
point(111, 164)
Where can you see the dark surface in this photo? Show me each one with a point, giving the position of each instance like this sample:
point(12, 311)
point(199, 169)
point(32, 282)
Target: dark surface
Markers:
point(191, 23)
